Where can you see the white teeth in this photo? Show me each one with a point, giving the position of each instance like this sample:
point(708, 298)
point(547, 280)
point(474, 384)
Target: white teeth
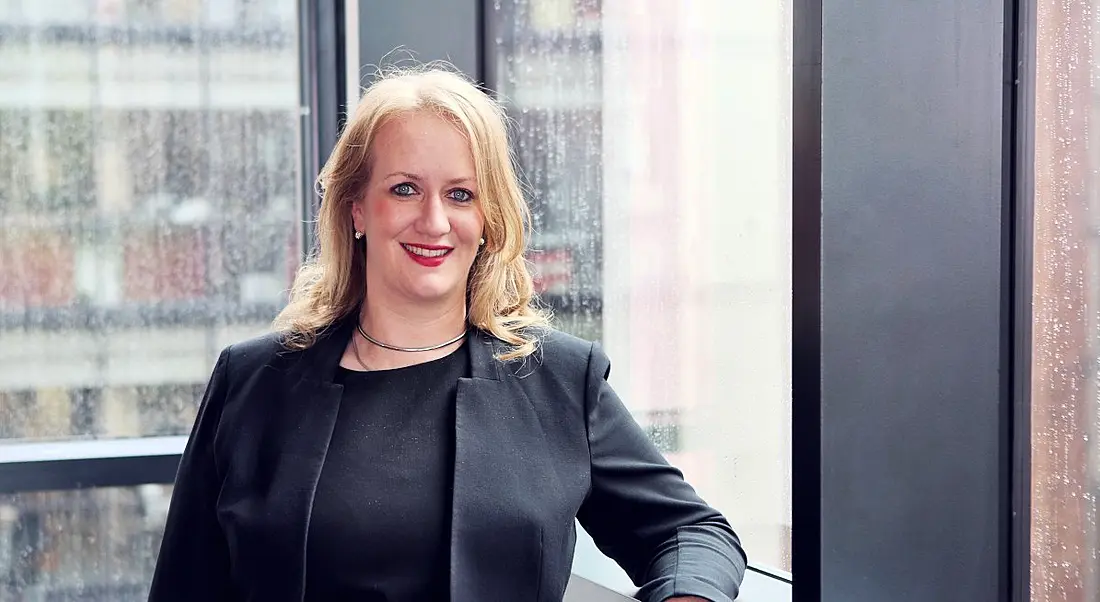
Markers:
point(425, 252)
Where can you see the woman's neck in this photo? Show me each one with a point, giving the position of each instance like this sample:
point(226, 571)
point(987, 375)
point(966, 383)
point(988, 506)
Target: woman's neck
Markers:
point(410, 326)
point(405, 325)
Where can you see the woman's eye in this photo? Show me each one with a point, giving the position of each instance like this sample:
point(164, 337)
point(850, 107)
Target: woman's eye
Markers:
point(403, 190)
point(462, 195)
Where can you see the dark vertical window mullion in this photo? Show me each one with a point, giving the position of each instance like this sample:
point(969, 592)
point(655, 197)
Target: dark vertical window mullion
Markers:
point(1021, 21)
point(487, 47)
point(331, 67)
point(322, 59)
point(307, 119)
point(806, 300)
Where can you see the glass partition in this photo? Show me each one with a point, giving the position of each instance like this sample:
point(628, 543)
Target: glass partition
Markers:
point(655, 139)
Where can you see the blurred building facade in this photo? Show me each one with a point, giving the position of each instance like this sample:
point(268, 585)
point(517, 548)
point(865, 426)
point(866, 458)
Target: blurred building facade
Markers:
point(150, 207)
point(149, 215)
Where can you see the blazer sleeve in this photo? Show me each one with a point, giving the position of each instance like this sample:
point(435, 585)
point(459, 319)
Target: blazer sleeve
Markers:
point(643, 514)
point(193, 563)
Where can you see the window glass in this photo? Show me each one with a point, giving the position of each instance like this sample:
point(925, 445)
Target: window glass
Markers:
point(149, 204)
point(1065, 373)
point(93, 545)
point(655, 140)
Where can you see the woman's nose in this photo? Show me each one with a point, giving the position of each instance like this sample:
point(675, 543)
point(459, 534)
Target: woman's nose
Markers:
point(433, 217)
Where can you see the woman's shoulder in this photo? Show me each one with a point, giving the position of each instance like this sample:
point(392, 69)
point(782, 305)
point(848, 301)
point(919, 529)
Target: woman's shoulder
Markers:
point(562, 344)
point(558, 353)
point(252, 354)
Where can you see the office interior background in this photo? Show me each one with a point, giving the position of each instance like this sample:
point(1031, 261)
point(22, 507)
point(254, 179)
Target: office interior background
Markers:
point(868, 340)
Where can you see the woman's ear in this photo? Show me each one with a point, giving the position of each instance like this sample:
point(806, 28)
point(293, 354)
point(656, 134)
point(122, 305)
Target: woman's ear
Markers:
point(358, 216)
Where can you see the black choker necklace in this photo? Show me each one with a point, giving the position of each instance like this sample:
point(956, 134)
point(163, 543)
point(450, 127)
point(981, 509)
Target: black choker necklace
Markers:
point(366, 336)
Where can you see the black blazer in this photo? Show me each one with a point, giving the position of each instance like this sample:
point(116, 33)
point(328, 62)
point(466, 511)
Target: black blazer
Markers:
point(538, 443)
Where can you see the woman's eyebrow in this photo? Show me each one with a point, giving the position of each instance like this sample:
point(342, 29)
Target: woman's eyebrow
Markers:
point(451, 182)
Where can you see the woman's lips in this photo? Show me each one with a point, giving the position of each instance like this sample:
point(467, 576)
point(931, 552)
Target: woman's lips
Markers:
point(427, 255)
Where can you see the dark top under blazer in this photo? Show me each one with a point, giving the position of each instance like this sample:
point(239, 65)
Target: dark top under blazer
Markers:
point(538, 442)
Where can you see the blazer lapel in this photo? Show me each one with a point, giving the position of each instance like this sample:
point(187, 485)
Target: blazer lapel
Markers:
point(493, 548)
point(306, 414)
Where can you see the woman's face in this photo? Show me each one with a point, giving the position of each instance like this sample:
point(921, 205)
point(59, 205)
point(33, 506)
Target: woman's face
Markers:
point(420, 213)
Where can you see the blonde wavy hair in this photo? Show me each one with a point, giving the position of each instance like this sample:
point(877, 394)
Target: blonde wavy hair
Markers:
point(332, 282)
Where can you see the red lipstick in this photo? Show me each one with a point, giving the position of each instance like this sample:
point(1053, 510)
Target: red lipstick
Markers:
point(427, 255)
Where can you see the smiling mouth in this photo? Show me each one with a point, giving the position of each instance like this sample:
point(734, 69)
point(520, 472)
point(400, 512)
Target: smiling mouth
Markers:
point(428, 252)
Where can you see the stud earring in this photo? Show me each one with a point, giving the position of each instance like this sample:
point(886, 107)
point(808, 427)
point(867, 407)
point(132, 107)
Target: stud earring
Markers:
point(358, 235)
point(482, 243)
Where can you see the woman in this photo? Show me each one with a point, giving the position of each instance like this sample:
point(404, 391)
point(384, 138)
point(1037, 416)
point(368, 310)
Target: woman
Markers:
point(413, 429)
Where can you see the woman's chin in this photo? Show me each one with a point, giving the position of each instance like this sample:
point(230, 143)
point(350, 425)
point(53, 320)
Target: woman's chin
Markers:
point(433, 290)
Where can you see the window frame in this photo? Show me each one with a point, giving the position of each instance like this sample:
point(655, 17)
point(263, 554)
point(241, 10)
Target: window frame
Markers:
point(806, 349)
point(1020, 40)
point(80, 464)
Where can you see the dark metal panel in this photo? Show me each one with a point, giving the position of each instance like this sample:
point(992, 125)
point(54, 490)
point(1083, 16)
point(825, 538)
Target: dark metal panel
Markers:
point(914, 410)
point(424, 30)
